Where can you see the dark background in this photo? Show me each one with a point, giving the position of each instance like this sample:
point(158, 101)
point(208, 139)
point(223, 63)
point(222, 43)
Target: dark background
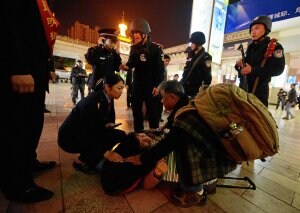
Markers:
point(169, 19)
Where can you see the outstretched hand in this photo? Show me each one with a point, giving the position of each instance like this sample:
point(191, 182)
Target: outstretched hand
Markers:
point(113, 156)
point(135, 160)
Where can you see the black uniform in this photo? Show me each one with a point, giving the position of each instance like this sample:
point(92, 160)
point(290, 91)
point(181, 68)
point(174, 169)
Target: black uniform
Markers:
point(147, 60)
point(26, 53)
point(129, 89)
point(281, 95)
point(84, 131)
point(274, 66)
point(201, 74)
point(78, 82)
point(104, 62)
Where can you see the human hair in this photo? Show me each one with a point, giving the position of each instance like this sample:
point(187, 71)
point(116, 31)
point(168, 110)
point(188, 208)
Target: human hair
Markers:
point(172, 87)
point(167, 57)
point(110, 80)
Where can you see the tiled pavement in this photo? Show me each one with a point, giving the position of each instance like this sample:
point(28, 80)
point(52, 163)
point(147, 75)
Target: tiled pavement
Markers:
point(277, 179)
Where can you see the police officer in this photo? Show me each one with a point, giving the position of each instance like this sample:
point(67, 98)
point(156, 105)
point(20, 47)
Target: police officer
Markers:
point(259, 28)
point(198, 71)
point(104, 58)
point(78, 75)
point(147, 59)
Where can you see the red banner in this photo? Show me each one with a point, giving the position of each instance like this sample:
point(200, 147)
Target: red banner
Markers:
point(50, 23)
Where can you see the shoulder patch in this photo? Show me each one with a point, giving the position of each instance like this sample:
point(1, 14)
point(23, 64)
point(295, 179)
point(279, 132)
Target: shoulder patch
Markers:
point(208, 63)
point(278, 53)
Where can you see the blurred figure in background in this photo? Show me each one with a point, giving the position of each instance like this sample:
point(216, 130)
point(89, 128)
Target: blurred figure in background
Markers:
point(198, 70)
point(78, 75)
point(281, 95)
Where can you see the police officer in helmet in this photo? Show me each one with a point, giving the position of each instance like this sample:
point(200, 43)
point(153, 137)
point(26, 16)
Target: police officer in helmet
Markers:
point(146, 58)
point(104, 58)
point(198, 69)
point(257, 69)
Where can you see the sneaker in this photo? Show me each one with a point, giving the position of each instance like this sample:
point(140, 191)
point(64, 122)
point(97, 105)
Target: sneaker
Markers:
point(285, 118)
point(292, 117)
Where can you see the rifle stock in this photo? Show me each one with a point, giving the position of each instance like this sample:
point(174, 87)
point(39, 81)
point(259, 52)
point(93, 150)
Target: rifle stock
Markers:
point(245, 82)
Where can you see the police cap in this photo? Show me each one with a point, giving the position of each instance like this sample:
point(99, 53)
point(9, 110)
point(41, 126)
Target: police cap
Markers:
point(108, 33)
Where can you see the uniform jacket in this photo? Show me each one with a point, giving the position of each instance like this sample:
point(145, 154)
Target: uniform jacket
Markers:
point(292, 96)
point(274, 66)
point(75, 78)
point(201, 74)
point(88, 116)
point(147, 60)
point(103, 61)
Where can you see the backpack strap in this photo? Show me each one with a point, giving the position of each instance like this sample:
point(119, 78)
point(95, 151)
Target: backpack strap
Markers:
point(193, 67)
point(268, 54)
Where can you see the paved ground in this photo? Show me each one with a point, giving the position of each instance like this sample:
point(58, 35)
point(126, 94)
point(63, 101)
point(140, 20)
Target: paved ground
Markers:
point(277, 179)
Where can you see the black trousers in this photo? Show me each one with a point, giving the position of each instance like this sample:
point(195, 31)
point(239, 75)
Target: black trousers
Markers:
point(92, 145)
point(23, 119)
point(141, 94)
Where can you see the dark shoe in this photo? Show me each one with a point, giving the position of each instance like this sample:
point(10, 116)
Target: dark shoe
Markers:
point(46, 110)
point(33, 194)
point(285, 118)
point(43, 166)
point(211, 188)
point(188, 199)
point(82, 167)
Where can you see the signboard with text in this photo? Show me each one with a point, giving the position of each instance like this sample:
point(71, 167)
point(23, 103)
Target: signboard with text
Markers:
point(240, 14)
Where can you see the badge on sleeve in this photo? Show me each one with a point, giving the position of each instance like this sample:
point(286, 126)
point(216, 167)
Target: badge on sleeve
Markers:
point(143, 57)
point(278, 53)
point(208, 63)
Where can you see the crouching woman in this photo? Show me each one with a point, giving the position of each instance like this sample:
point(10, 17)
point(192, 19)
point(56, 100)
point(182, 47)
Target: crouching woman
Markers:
point(90, 128)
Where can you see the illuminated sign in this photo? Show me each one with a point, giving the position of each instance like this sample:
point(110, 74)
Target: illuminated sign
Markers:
point(201, 17)
point(217, 30)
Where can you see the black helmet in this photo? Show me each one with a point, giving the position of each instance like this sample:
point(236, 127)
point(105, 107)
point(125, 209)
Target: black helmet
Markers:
point(265, 20)
point(140, 25)
point(197, 38)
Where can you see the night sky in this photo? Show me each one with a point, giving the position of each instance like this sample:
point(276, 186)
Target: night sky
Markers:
point(169, 19)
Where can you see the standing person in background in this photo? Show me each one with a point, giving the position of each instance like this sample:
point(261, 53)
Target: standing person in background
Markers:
point(78, 75)
point(53, 78)
point(31, 31)
point(89, 82)
point(290, 102)
point(198, 71)
point(281, 98)
point(259, 28)
point(104, 58)
point(176, 77)
point(147, 59)
point(128, 86)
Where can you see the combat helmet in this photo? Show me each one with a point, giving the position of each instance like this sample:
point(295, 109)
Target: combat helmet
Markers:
point(197, 38)
point(265, 20)
point(140, 25)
